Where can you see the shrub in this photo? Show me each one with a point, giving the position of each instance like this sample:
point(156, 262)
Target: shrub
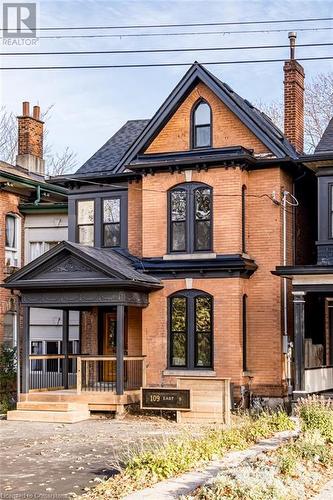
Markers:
point(316, 413)
point(8, 368)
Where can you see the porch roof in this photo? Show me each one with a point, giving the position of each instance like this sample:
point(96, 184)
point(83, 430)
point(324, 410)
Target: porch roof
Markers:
point(76, 275)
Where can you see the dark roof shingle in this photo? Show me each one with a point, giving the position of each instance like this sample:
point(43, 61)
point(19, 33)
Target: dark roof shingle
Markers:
point(108, 156)
point(326, 141)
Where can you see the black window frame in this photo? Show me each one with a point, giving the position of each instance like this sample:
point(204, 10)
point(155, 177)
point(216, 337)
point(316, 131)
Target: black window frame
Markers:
point(191, 222)
point(194, 127)
point(98, 198)
point(105, 198)
point(330, 211)
point(244, 191)
point(191, 330)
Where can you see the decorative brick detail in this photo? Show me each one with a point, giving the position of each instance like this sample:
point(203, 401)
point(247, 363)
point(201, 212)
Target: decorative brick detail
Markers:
point(294, 103)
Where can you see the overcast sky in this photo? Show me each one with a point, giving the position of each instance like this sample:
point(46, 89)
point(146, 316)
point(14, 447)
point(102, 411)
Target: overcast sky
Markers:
point(90, 105)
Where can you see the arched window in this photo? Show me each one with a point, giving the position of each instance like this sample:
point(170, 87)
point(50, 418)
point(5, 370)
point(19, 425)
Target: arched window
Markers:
point(191, 330)
point(201, 125)
point(190, 218)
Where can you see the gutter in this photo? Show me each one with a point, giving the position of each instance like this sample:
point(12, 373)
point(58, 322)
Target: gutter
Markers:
point(32, 183)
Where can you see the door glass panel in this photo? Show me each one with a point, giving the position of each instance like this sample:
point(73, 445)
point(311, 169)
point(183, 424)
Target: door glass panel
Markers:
point(37, 350)
point(52, 364)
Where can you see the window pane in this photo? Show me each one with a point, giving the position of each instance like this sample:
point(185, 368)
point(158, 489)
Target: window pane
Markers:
point(111, 235)
point(178, 314)
point(178, 347)
point(111, 210)
point(202, 136)
point(203, 314)
point(52, 364)
point(202, 204)
point(202, 114)
point(85, 212)
point(86, 235)
point(36, 349)
point(178, 236)
point(10, 231)
point(204, 347)
point(203, 235)
point(178, 205)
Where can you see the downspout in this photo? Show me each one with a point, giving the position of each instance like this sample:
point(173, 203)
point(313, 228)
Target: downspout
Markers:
point(286, 345)
point(37, 200)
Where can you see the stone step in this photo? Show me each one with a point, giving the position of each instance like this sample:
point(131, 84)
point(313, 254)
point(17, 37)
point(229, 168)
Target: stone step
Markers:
point(51, 406)
point(64, 417)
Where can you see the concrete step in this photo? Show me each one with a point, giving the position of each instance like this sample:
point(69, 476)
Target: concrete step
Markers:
point(51, 406)
point(64, 417)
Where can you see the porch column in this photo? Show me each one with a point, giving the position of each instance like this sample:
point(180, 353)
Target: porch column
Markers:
point(120, 350)
point(65, 340)
point(25, 362)
point(299, 334)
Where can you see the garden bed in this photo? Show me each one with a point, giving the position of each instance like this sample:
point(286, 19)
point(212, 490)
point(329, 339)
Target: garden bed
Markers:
point(173, 457)
point(297, 470)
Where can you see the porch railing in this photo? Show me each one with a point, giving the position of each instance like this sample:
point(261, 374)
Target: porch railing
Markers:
point(46, 371)
point(85, 373)
point(99, 373)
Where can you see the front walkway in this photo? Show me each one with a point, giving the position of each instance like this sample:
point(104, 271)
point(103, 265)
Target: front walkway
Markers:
point(57, 459)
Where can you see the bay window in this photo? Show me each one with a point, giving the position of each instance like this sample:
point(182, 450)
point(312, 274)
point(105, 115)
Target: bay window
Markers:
point(190, 330)
point(190, 218)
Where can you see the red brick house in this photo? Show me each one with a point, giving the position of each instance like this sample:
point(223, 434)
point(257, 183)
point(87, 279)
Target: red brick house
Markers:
point(23, 190)
point(175, 227)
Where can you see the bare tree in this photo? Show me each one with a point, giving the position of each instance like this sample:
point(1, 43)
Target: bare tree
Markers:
point(318, 109)
point(57, 163)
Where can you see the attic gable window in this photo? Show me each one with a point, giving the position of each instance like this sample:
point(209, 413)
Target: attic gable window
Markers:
point(202, 125)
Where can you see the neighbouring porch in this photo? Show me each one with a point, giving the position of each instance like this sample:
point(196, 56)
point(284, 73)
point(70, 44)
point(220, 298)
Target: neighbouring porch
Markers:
point(313, 338)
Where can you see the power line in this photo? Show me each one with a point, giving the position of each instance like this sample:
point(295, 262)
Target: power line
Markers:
point(182, 33)
point(147, 51)
point(182, 25)
point(154, 65)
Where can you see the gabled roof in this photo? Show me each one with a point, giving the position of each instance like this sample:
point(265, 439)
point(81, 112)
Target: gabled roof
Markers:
point(259, 124)
point(73, 265)
point(133, 137)
point(326, 142)
point(106, 159)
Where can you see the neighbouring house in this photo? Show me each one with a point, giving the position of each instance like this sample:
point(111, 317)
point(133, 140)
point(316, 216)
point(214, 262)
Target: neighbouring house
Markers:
point(33, 220)
point(312, 285)
point(175, 226)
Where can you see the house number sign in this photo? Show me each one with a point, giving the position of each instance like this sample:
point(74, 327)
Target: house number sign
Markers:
point(162, 398)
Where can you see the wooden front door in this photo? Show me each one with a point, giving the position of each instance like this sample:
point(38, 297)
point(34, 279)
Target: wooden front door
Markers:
point(110, 344)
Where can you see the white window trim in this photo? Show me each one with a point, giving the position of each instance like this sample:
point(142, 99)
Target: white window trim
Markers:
point(14, 252)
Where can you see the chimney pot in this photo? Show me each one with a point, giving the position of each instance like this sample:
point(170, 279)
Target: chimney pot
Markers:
point(292, 35)
point(25, 108)
point(36, 112)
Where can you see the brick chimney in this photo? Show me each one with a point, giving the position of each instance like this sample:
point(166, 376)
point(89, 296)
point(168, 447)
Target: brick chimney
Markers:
point(30, 140)
point(294, 98)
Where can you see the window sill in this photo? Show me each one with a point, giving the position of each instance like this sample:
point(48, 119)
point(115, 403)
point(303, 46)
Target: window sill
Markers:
point(190, 373)
point(190, 256)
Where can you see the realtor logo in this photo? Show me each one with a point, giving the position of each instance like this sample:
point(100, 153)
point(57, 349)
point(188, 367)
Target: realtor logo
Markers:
point(19, 20)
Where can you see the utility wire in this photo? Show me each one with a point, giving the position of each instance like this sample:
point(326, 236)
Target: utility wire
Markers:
point(181, 25)
point(182, 33)
point(148, 51)
point(155, 65)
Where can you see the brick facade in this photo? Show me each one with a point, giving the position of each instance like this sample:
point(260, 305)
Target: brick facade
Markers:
point(294, 103)
point(9, 203)
point(264, 244)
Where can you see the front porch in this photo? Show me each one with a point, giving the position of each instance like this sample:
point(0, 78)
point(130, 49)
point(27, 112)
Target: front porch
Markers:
point(108, 369)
